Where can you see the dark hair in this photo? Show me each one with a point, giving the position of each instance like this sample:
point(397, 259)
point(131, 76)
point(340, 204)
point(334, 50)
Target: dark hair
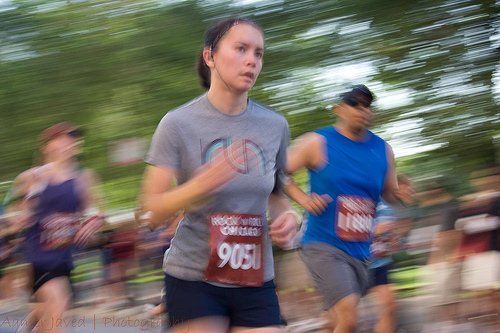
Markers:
point(351, 97)
point(212, 38)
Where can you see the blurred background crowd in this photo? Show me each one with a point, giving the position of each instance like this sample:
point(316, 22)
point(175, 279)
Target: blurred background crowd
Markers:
point(116, 67)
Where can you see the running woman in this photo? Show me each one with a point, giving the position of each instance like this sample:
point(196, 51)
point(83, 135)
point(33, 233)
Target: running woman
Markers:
point(52, 199)
point(225, 153)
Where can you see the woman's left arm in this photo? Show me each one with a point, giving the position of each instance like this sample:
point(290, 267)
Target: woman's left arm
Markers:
point(93, 195)
point(92, 201)
point(284, 219)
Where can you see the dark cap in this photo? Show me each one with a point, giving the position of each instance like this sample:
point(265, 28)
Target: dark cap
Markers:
point(358, 94)
point(59, 129)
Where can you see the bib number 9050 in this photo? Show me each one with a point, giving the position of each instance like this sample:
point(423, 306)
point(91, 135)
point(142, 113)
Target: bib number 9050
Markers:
point(239, 256)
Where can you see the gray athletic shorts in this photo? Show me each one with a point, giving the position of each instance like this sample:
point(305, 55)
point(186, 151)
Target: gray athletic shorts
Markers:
point(335, 273)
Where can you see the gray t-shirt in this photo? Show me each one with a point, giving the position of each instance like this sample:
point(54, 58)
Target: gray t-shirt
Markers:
point(185, 139)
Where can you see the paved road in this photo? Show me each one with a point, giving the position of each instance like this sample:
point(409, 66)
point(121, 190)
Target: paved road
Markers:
point(86, 321)
point(412, 315)
point(300, 306)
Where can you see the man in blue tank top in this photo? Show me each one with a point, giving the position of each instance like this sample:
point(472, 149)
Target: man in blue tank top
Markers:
point(349, 169)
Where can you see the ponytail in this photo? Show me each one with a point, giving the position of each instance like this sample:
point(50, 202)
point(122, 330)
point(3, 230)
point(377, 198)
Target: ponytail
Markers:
point(203, 72)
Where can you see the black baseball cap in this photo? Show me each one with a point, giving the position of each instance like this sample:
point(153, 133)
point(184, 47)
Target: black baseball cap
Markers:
point(358, 94)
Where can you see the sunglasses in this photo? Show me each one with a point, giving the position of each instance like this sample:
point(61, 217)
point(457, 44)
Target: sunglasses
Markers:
point(75, 134)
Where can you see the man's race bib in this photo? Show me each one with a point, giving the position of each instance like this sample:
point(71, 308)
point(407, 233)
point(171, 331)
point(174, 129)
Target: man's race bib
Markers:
point(58, 230)
point(235, 249)
point(354, 218)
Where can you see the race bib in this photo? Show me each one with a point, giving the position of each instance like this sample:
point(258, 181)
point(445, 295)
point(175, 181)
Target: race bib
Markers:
point(385, 241)
point(58, 230)
point(354, 218)
point(235, 249)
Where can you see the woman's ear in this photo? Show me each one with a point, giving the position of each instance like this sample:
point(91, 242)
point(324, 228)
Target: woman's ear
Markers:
point(336, 109)
point(208, 57)
point(45, 149)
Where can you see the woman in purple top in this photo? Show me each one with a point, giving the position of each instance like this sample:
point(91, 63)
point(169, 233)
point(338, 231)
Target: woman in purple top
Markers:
point(51, 200)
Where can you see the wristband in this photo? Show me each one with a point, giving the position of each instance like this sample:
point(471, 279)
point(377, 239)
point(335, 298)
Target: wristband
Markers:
point(144, 219)
point(298, 217)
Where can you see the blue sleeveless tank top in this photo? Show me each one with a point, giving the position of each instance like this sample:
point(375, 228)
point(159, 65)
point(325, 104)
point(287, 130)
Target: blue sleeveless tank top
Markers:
point(354, 177)
point(57, 215)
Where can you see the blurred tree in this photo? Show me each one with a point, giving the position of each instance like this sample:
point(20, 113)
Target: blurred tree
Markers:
point(116, 67)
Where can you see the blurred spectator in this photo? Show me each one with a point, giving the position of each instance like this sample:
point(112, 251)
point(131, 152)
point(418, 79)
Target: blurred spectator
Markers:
point(162, 236)
point(390, 227)
point(439, 208)
point(151, 246)
point(122, 243)
point(16, 274)
point(104, 240)
point(479, 221)
point(479, 213)
point(7, 246)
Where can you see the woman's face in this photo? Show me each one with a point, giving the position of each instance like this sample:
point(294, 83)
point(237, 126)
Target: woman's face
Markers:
point(237, 59)
point(62, 147)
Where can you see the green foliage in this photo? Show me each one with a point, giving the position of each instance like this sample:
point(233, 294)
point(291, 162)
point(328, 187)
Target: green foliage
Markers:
point(116, 67)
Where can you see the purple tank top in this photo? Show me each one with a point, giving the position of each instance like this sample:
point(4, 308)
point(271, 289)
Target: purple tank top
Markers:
point(57, 216)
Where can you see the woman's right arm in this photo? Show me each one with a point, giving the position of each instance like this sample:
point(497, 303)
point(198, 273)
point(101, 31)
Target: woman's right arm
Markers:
point(164, 200)
point(19, 207)
point(161, 198)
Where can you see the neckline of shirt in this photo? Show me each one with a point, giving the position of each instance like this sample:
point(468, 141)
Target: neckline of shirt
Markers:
point(366, 139)
point(240, 115)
